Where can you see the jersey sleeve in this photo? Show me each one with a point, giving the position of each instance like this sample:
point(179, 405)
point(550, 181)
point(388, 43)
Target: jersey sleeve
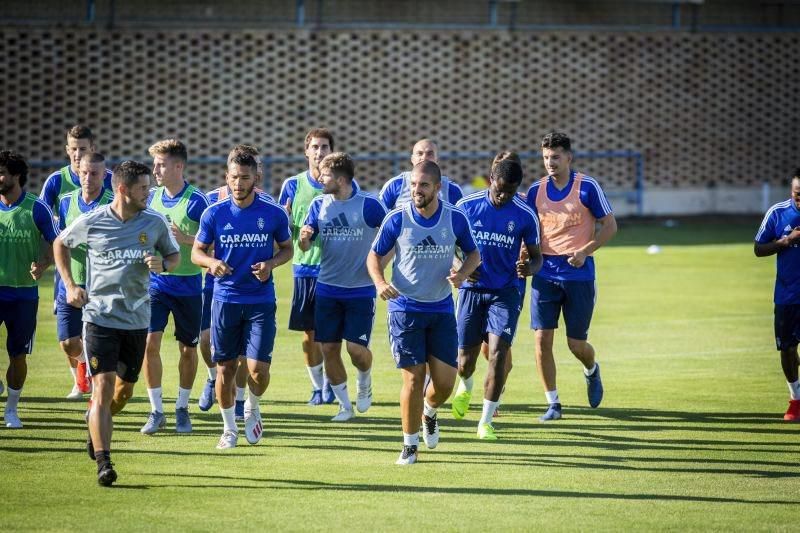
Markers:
point(213, 196)
point(282, 231)
point(374, 212)
point(454, 191)
point(389, 193)
point(312, 218)
point(166, 243)
point(596, 200)
point(76, 233)
point(288, 190)
point(532, 234)
point(63, 208)
point(530, 197)
point(50, 189)
point(197, 204)
point(107, 181)
point(766, 232)
point(464, 238)
point(206, 233)
point(43, 218)
point(388, 234)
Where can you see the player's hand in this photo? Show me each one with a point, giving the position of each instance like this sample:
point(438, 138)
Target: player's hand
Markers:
point(387, 291)
point(76, 296)
point(220, 268)
point(793, 237)
point(306, 232)
point(577, 259)
point(154, 263)
point(262, 270)
point(524, 269)
point(180, 236)
point(456, 278)
point(37, 269)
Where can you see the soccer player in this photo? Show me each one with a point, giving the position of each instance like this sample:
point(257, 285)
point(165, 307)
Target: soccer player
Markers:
point(397, 191)
point(69, 319)
point(24, 221)
point(296, 195)
point(80, 142)
point(422, 326)
point(569, 205)
point(489, 303)
point(345, 221)
point(122, 240)
point(779, 235)
point(178, 292)
point(242, 229)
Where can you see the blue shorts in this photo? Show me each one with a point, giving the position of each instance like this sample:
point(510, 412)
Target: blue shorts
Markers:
point(416, 336)
point(350, 319)
point(186, 314)
point(576, 298)
point(787, 326)
point(19, 316)
point(242, 329)
point(205, 318)
point(301, 317)
point(69, 320)
point(480, 312)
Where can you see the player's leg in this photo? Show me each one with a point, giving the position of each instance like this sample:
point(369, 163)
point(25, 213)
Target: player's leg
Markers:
point(207, 396)
point(20, 320)
point(546, 302)
point(441, 342)
point(187, 315)
point(509, 366)
point(259, 341)
point(787, 332)
point(242, 373)
point(407, 341)
point(358, 323)
point(68, 330)
point(578, 309)
point(301, 318)
point(471, 327)
point(153, 367)
point(227, 340)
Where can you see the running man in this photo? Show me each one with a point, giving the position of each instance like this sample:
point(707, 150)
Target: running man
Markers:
point(779, 235)
point(346, 222)
point(397, 191)
point(296, 195)
point(122, 240)
point(489, 303)
point(242, 229)
point(178, 292)
point(24, 221)
point(422, 327)
point(569, 205)
point(69, 319)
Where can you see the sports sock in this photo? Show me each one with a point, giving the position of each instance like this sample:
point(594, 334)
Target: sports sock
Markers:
point(13, 399)
point(229, 419)
point(465, 384)
point(156, 401)
point(411, 440)
point(552, 396)
point(212, 373)
point(102, 457)
point(427, 410)
point(340, 391)
point(794, 390)
point(315, 373)
point(252, 402)
point(590, 371)
point(183, 398)
point(239, 394)
point(364, 380)
point(488, 410)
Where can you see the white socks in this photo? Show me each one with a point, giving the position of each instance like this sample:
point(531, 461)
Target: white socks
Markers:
point(156, 401)
point(590, 371)
point(427, 410)
point(212, 373)
point(183, 398)
point(239, 394)
point(229, 419)
point(340, 391)
point(411, 440)
point(794, 390)
point(364, 379)
point(488, 411)
point(465, 384)
point(13, 399)
point(552, 396)
point(315, 373)
point(251, 404)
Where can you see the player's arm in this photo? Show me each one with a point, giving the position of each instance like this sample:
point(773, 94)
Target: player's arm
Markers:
point(764, 249)
point(375, 267)
point(530, 260)
point(376, 260)
point(608, 227)
point(73, 236)
point(308, 232)
point(43, 218)
point(263, 269)
point(466, 241)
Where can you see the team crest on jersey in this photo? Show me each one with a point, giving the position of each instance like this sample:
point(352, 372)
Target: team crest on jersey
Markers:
point(510, 226)
point(93, 362)
point(260, 223)
point(143, 238)
point(444, 233)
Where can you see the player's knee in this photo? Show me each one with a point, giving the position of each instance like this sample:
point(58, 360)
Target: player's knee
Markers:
point(577, 347)
point(72, 346)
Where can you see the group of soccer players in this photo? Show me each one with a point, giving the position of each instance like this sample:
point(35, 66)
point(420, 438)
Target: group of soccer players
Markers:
point(128, 256)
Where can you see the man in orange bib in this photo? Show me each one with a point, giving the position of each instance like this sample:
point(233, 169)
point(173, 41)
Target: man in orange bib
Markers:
point(570, 207)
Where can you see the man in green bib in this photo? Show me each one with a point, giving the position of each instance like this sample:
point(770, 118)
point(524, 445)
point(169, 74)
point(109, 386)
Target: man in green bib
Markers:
point(24, 221)
point(179, 292)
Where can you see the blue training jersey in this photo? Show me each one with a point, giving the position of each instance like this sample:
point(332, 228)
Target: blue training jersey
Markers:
point(424, 248)
point(397, 191)
point(52, 186)
point(346, 229)
point(499, 233)
point(779, 221)
point(556, 267)
point(241, 238)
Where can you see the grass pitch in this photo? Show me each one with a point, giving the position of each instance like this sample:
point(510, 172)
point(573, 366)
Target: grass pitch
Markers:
point(689, 435)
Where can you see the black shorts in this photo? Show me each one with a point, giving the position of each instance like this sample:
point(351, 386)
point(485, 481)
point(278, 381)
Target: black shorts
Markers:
point(787, 326)
point(301, 317)
point(114, 350)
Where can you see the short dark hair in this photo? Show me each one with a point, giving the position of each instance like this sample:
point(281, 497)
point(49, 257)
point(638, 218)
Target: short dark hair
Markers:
point(94, 157)
point(323, 133)
point(79, 131)
point(509, 171)
point(557, 140)
point(429, 168)
point(15, 164)
point(243, 149)
point(128, 173)
point(242, 158)
point(340, 164)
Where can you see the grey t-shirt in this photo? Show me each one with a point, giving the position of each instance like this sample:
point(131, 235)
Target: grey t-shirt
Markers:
point(117, 279)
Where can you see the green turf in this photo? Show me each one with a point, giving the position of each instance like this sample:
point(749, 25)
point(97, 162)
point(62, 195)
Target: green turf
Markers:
point(689, 436)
